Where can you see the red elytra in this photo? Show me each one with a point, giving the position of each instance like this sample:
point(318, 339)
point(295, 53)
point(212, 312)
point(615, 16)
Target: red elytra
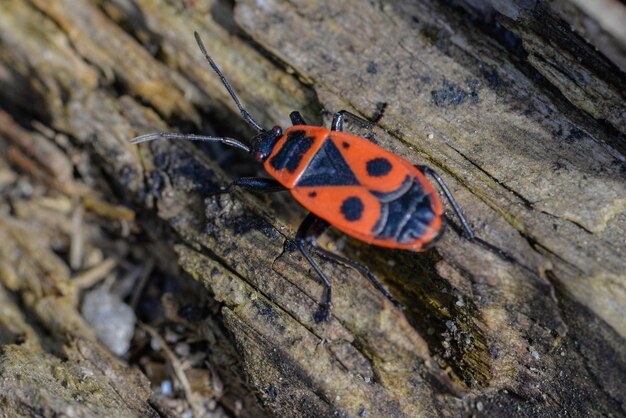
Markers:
point(345, 181)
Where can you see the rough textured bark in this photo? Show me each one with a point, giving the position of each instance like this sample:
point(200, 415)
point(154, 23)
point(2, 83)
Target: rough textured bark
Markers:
point(522, 116)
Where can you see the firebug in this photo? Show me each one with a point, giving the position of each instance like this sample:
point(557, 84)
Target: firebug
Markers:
point(345, 181)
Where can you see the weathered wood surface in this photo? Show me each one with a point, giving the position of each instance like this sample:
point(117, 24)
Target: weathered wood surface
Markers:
point(523, 118)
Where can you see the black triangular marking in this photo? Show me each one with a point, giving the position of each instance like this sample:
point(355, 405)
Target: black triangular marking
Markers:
point(328, 168)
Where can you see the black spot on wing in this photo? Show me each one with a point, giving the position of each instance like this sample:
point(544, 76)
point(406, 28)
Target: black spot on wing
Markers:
point(292, 151)
point(378, 167)
point(328, 168)
point(352, 208)
point(313, 194)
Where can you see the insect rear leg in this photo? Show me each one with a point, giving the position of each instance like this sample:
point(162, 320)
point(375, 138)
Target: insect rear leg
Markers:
point(364, 270)
point(296, 118)
point(457, 210)
point(308, 232)
point(258, 184)
point(310, 229)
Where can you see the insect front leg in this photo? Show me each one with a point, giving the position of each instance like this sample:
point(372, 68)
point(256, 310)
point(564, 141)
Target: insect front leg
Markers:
point(308, 232)
point(258, 184)
point(457, 210)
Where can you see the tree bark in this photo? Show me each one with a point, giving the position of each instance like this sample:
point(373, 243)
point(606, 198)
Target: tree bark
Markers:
point(521, 115)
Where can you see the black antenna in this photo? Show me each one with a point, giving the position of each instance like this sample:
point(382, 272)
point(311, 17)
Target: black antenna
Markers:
point(191, 137)
point(243, 111)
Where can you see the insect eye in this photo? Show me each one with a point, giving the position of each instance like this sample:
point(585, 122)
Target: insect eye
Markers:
point(277, 130)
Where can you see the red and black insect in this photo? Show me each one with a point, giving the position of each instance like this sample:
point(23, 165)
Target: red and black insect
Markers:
point(345, 181)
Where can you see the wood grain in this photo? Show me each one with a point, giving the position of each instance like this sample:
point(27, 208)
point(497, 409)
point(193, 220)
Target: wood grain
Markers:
point(522, 118)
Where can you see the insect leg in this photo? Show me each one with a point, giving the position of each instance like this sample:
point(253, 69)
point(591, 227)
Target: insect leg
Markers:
point(296, 118)
point(364, 270)
point(457, 210)
point(311, 228)
point(380, 112)
point(337, 124)
point(258, 184)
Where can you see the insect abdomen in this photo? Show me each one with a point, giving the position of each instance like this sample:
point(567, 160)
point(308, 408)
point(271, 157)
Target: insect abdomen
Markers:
point(407, 217)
